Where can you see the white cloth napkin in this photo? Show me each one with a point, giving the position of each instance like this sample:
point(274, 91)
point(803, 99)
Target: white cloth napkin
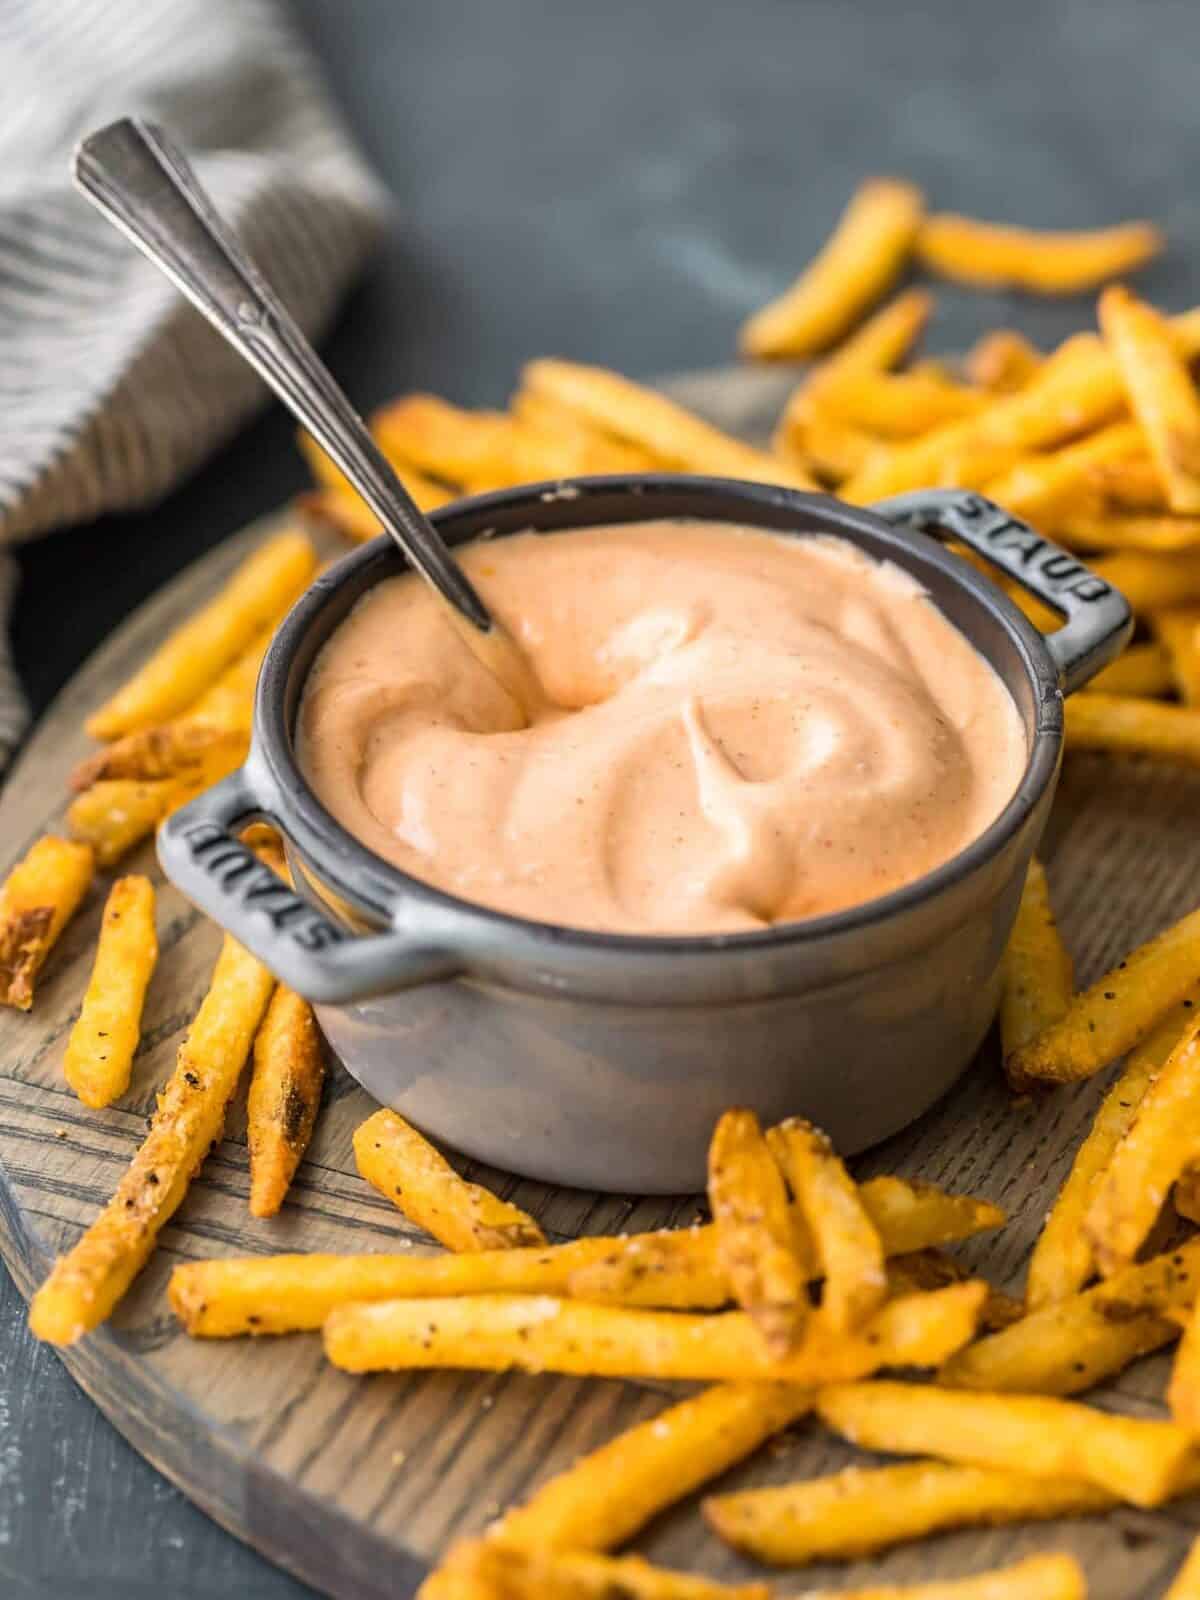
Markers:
point(111, 387)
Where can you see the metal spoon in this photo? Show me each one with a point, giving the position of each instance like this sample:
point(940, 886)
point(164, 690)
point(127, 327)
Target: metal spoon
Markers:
point(144, 184)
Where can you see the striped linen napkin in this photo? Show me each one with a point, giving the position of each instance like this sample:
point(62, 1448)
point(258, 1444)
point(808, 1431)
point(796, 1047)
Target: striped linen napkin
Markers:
point(111, 387)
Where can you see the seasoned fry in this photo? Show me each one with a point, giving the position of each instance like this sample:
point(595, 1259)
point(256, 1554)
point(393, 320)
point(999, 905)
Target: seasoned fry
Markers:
point(1163, 535)
point(182, 749)
point(1179, 633)
point(285, 1096)
point(1142, 670)
point(1002, 361)
point(1152, 582)
point(332, 483)
point(846, 1242)
point(604, 1499)
point(394, 1158)
point(1186, 1585)
point(99, 1056)
point(881, 342)
point(38, 898)
point(1133, 484)
point(1161, 393)
point(184, 666)
point(1121, 1007)
point(676, 1270)
point(1039, 975)
point(679, 439)
point(1129, 725)
point(1062, 1260)
point(496, 1570)
point(809, 436)
point(539, 1333)
point(913, 1216)
point(545, 417)
point(858, 263)
point(1046, 1438)
point(994, 255)
point(1186, 1195)
point(1042, 486)
point(756, 1232)
point(934, 1269)
point(87, 1283)
point(896, 405)
point(1183, 1392)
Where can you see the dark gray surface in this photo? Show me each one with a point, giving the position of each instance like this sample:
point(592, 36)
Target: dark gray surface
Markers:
point(616, 182)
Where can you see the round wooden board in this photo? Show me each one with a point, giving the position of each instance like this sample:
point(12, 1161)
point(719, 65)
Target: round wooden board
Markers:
point(355, 1484)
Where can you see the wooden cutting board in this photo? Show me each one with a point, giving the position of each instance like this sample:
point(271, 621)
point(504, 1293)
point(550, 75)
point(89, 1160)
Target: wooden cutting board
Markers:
point(355, 1484)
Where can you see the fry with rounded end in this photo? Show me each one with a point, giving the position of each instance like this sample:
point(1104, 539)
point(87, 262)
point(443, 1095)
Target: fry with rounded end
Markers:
point(1178, 631)
point(38, 898)
point(285, 1096)
point(1040, 486)
point(1130, 725)
point(1186, 1583)
point(848, 1248)
point(936, 1269)
point(395, 1159)
point(1121, 1007)
point(1142, 670)
point(186, 664)
point(99, 1055)
point(1002, 361)
point(882, 341)
point(995, 255)
point(858, 263)
point(1039, 975)
point(87, 1283)
point(1161, 393)
point(756, 1232)
point(541, 1333)
point(492, 1569)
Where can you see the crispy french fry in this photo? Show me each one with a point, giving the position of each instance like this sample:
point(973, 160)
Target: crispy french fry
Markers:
point(992, 254)
point(1161, 393)
point(539, 1333)
point(99, 1055)
point(1142, 670)
point(1186, 1584)
point(811, 437)
point(845, 1241)
point(897, 405)
point(914, 1216)
point(1152, 582)
point(395, 1159)
point(1133, 484)
point(1185, 1197)
point(496, 1570)
point(333, 483)
point(1179, 633)
point(864, 1509)
point(881, 342)
point(676, 1270)
point(604, 1499)
point(756, 1232)
point(87, 1283)
point(1062, 1260)
point(1047, 1438)
point(38, 898)
point(346, 514)
point(1040, 486)
point(184, 666)
point(923, 1270)
point(1121, 1007)
point(1039, 975)
point(285, 1096)
point(1043, 1577)
point(545, 417)
point(1157, 534)
point(1183, 1391)
point(858, 263)
point(182, 749)
point(1002, 361)
point(1130, 725)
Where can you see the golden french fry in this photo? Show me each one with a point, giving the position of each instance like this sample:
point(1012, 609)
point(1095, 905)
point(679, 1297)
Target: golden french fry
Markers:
point(1183, 1391)
point(858, 263)
point(992, 254)
point(395, 1159)
point(285, 1096)
point(229, 703)
point(1133, 484)
point(1142, 670)
point(882, 341)
point(1044, 1577)
point(809, 436)
point(605, 1497)
point(923, 1270)
point(1186, 1583)
point(756, 1231)
point(1185, 1197)
point(1121, 1007)
point(492, 1569)
point(540, 1333)
point(608, 453)
point(335, 494)
point(1157, 534)
point(1039, 975)
point(184, 666)
point(1161, 393)
point(1178, 631)
point(914, 1216)
point(1152, 582)
point(679, 439)
point(87, 1283)
point(182, 749)
point(1002, 361)
point(100, 1051)
point(38, 898)
point(1130, 725)
point(846, 1242)
point(898, 405)
point(1040, 486)
point(1136, 1460)
point(346, 514)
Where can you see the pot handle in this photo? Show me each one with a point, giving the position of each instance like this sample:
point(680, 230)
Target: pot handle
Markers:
point(1099, 620)
point(202, 855)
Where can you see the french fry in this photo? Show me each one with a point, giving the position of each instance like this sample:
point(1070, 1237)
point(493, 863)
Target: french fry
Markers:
point(394, 1158)
point(1183, 1391)
point(680, 440)
point(605, 1497)
point(1186, 1583)
point(923, 1270)
point(1179, 633)
point(1002, 361)
point(540, 1333)
point(756, 1232)
point(915, 1216)
point(675, 1270)
point(1151, 535)
point(1047, 1438)
point(346, 514)
point(994, 255)
point(491, 1569)
point(1042, 1577)
point(99, 1055)
point(1129, 725)
point(284, 1098)
point(1133, 484)
point(38, 898)
point(332, 482)
point(1142, 670)
point(858, 263)
point(185, 665)
point(897, 405)
point(1121, 1007)
point(845, 1241)
point(1040, 486)
point(1161, 393)
point(1039, 975)
point(544, 417)
point(1062, 1260)
point(881, 342)
point(861, 1510)
point(87, 1283)
point(1152, 582)
point(809, 436)
point(1185, 1197)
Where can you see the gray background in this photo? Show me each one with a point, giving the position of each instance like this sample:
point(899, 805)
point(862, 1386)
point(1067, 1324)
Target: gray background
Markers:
point(618, 182)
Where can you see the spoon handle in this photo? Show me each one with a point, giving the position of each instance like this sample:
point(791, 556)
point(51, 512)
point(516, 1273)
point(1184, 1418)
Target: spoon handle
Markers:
point(144, 184)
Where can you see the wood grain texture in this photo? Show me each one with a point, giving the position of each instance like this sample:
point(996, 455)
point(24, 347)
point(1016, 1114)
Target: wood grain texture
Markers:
point(354, 1484)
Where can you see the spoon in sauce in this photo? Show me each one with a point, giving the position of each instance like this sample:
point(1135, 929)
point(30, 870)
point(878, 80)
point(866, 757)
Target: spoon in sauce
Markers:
point(133, 173)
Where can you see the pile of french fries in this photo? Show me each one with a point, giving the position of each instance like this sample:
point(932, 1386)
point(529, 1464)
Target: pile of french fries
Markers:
point(805, 1286)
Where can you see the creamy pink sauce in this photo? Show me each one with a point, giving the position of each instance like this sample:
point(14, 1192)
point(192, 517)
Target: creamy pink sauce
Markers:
point(740, 729)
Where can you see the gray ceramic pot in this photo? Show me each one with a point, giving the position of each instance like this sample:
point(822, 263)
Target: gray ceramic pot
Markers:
point(604, 1060)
